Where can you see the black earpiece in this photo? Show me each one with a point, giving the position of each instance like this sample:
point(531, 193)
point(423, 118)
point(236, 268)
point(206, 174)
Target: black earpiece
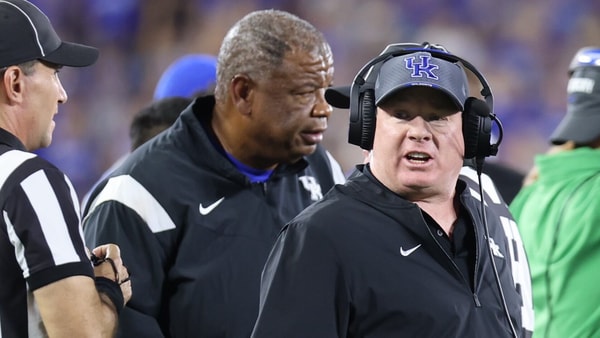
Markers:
point(477, 115)
point(477, 128)
point(367, 117)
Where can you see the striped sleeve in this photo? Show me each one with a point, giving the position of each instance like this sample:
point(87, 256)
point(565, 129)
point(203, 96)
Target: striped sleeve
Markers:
point(41, 218)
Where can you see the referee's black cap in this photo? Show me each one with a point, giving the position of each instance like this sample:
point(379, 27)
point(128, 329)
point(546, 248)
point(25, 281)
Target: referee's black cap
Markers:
point(26, 34)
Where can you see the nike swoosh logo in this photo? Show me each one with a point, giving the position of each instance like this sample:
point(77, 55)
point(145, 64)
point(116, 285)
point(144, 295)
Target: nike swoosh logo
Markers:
point(409, 251)
point(205, 211)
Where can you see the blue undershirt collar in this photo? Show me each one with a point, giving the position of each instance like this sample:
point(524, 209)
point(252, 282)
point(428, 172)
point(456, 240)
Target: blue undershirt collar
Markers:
point(255, 175)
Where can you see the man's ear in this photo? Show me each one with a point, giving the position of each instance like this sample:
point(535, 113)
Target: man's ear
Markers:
point(12, 83)
point(242, 90)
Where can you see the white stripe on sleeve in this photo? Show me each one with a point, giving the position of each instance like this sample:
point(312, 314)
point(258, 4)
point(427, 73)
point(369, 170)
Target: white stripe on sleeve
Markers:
point(129, 192)
point(11, 160)
point(46, 206)
point(338, 173)
point(488, 184)
point(16, 242)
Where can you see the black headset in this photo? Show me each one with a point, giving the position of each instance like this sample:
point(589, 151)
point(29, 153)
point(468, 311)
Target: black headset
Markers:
point(477, 115)
point(477, 121)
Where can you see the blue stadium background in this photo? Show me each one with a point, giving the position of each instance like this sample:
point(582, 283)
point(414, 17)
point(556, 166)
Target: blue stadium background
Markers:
point(522, 47)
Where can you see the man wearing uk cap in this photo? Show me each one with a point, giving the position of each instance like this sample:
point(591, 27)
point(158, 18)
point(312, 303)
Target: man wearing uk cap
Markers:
point(559, 213)
point(401, 249)
point(508, 180)
point(50, 288)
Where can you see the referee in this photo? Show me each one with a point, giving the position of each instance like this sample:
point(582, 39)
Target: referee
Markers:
point(49, 285)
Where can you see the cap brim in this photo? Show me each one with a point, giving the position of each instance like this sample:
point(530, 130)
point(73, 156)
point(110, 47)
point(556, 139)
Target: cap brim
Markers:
point(579, 128)
point(396, 90)
point(73, 55)
point(338, 97)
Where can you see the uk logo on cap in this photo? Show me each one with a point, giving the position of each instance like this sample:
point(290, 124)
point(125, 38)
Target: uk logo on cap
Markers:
point(421, 69)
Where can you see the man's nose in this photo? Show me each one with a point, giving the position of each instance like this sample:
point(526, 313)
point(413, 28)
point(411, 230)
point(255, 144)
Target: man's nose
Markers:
point(321, 107)
point(419, 129)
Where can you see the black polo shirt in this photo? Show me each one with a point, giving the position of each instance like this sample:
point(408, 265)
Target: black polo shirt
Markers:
point(460, 246)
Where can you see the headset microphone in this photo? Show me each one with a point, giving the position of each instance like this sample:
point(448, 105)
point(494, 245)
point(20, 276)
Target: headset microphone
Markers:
point(482, 146)
point(478, 146)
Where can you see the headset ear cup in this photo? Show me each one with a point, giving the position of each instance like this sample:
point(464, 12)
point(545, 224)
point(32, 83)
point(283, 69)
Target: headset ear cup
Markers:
point(477, 129)
point(470, 127)
point(367, 106)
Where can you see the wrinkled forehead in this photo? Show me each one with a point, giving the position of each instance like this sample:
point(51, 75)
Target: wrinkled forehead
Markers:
point(305, 64)
point(317, 51)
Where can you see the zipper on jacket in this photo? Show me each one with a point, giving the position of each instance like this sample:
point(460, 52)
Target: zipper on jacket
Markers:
point(476, 299)
point(466, 282)
point(476, 267)
point(258, 187)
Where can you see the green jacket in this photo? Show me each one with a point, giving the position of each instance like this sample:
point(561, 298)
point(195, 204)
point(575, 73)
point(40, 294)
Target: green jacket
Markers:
point(559, 220)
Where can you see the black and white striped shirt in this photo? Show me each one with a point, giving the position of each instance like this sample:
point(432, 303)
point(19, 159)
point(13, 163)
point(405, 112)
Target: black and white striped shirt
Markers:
point(40, 235)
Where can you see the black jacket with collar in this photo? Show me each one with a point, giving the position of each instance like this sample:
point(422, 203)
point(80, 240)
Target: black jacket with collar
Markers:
point(362, 262)
point(194, 232)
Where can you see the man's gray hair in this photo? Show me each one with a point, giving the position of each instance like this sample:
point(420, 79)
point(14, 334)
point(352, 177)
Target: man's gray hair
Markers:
point(257, 44)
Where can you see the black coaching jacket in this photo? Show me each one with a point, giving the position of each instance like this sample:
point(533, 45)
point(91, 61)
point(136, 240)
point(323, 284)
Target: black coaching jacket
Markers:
point(362, 262)
point(194, 232)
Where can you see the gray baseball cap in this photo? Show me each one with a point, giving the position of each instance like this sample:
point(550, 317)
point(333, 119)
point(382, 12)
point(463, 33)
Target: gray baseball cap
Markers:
point(414, 69)
point(421, 69)
point(581, 123)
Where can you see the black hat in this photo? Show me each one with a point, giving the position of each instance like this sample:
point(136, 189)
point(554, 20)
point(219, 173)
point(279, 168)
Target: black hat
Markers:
point(26, 34)
point(581, 124)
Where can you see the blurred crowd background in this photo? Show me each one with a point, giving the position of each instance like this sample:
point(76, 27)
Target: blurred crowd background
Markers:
point(522, 47)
